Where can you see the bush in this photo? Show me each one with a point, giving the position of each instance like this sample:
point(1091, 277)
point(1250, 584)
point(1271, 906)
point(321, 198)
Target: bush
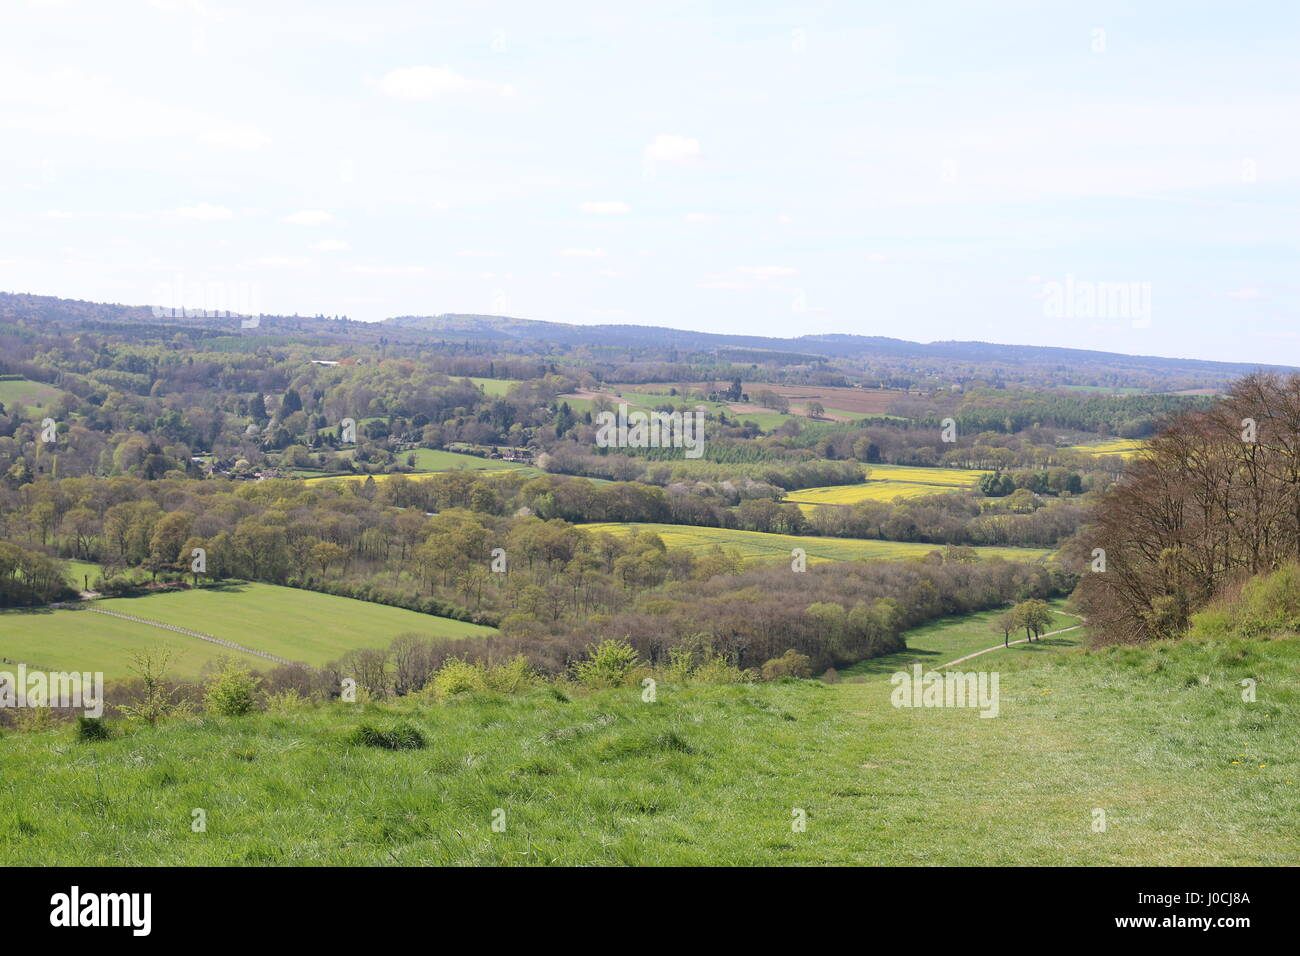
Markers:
point(457, 676)
point(231, 691)
point(513, 677)
point(718, 670)
point(91, 728)
point(789, 664)
point(608, 665)
point(286, 701)
point(401, 736)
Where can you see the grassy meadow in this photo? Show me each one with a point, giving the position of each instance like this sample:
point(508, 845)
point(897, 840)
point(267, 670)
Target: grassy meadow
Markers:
point(1156, 737)
point(36, 397)
point(287, 622)
point(435, 460)
point(765, 546)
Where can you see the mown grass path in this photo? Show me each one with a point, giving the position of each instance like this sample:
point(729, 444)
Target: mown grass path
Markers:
point(186, 631)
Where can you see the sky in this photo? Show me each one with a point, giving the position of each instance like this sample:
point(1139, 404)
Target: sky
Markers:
point(1115, 176)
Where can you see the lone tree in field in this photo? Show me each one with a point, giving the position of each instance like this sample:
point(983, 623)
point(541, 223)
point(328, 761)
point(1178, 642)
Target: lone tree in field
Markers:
point(1006, 622)
point(1034, 616)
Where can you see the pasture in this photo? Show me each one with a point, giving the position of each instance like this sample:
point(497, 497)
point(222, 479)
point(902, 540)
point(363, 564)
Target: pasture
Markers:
point(435, 460)
point(287, 622)
point(36, 397)
point(764, 546)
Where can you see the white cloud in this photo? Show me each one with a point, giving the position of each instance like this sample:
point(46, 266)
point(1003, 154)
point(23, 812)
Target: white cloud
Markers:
point(309, 217)
point(283, 262)
point(205, 211)
point(671, 148)
point(422, 82)
point(418, 83)
point(606, 208)
point(768, 272)
point(332, 245)
point(701, 217)
point(583, 253)
point(1247, 293)
point(236, 137)
point(390, 270)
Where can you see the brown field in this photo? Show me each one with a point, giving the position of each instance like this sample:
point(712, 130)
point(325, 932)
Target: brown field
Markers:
point(856, 401)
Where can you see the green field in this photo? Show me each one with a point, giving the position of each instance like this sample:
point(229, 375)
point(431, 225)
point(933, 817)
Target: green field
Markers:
point(287, 622)
point(1156, 737)
point(951, 638)
point(435, 460)
point(761, 545)
point(36, 397)
point(496, 387)
point(82, 572)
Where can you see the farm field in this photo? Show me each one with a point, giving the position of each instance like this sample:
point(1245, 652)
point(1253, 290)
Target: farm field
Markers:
point(1156, 736)
point(287, 622)
point(765, 546)
point(36, 397)
point(887, 482)
point(73, 639)
point(494, 386)
point(435, 460)
point(1124, 447)
point(647, 397)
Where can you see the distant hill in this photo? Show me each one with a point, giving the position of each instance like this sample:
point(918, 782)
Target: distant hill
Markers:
point(645, 343)
point(831, 345)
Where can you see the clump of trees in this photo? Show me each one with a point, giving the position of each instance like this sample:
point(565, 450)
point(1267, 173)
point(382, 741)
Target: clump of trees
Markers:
point(1214, 500)
point(1033, 616)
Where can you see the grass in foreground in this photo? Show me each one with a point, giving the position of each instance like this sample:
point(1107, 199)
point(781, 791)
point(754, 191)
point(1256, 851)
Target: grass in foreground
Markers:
point(1157, 737)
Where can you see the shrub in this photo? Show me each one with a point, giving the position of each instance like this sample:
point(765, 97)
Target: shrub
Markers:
point(286, 701)
point(608, 664)
point(789, 664)
point(457, 676)
point(155, 701)
point(91, 728)
point(513, 677)
point(401, 736)
point(718, 670)
point(681, 661)
point(231, 691)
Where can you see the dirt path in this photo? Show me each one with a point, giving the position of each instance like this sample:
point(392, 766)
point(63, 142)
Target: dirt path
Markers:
point(1023, 640)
